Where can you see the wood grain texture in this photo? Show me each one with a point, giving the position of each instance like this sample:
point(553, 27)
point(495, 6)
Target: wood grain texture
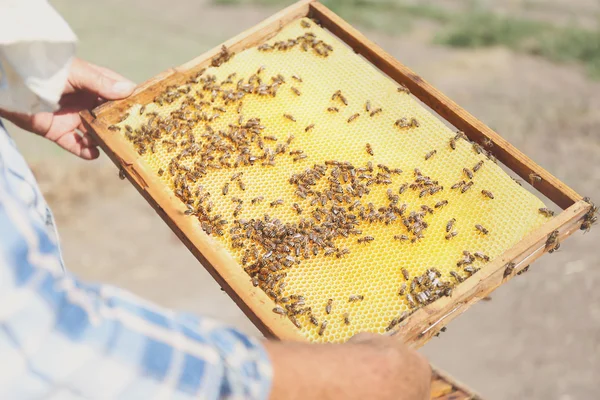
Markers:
point(477, 131)
point(147, 91)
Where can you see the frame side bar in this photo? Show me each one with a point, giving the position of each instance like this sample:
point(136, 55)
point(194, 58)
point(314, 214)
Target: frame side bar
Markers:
point(514, 159)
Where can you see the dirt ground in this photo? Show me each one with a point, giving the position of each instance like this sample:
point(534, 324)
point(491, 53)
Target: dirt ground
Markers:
point(539, 338)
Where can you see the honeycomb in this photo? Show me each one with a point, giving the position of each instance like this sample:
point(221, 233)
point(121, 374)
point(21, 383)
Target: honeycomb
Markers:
point(238, 154)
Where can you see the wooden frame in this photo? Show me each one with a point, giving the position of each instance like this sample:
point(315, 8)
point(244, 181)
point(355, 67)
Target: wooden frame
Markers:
point(426, 321)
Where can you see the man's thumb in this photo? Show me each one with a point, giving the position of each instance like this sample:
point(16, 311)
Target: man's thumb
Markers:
point(85, 77)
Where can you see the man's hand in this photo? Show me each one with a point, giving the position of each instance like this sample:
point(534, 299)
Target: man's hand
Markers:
point(369, 366)
point(87, 86)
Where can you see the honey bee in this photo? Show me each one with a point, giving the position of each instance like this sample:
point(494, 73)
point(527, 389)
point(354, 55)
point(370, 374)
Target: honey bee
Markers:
point(411, 301)
point(533, 177)
point(392, 324)
point(121, 174)
point(457, 185)
point(225, 189)
point(257, 200)
point(297, 208)
point(366, 239)
point(468, 173)
point(456, 276)
point(260, 69)
point(430, 154)
point(296, 91)
point(478, 166)
point(402, 290)
point(414, 123)
point(552, 240)
point(290, 117)
point(403, 89)
point(328, 306)
point(403, 188)
point(376, 111)
point(401, 237)
point(487, 142)
point(346, 318)
point(322, 328)
point(487, 193)
point(295, 322)
point(255, 281)
point(451, 235)
point(237, 175)
point(481, 229)
point(481, 256)
point(466, 187)
point(509, 268)
point(369, 149)
point(239, 109)
point(426, 208)
point(405, 274)
point(276, 203)
point(279, 310)
point(353, 117)
point(113, 128)
point(477, 148)
point(309, 128)
point(124, 117)
point(161, 172)
point(546, 212)
point(355, 297)
point(441, 204)
point(450, 224)
point(297, 78)
point(453, 143)
point(333, 109)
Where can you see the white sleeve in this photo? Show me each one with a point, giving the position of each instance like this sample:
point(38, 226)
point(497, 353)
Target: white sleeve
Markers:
point(36, 50)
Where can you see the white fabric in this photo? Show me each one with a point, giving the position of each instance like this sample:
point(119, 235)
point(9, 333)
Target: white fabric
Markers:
point(36, 50)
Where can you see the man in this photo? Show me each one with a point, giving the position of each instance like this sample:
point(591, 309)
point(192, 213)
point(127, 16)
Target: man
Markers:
point(62, 338)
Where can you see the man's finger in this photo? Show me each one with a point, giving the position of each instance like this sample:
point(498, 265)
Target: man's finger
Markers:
point(74, 143)
point(94, 80)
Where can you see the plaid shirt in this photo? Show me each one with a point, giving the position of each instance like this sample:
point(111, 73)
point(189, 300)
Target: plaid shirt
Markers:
point(61, 338)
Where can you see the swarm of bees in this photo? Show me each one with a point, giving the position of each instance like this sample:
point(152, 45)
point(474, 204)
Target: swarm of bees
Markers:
point(330, 195)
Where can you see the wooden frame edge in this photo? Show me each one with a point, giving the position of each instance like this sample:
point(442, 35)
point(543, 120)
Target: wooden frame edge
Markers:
point(514, 159)
point(428, 320)
point(146, 92)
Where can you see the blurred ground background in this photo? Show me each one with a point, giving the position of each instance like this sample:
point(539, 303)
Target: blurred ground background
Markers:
point(528, 68)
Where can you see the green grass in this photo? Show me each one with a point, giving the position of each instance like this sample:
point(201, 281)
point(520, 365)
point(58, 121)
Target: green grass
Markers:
point(474, 28)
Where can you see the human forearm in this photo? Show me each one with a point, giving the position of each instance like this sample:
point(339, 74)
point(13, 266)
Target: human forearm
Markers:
point(378, 368)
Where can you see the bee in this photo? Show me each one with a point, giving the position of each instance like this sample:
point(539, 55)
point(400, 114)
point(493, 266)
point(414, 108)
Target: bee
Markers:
point(376, 111)
point(333, 109)
point(441, 204)
point(477, 148)
point(411, 301)
point(309, 128)
point(392, 324)
point(276, 203)
point(457, 185)
point(456, 276)
point(369, 149)
point(414, 123)
point(322, 328)
point(296, 91)
point(466, 187)
point(426, 208)
point(533, 177)
point(328, 306)
point(546, 212)
point(257, 200)
point(279, 310)
point(353, 117)
point(450, 224)
point(239, 109)
point(260, 69)
point(453, 143)
point(297, 78)
point(295, 321)
point(128, 128)
point(121, 174)
point(161, 172)
point(471, 270)
point(468, 173)
point(237, 175)
point(297, 208)
point(481, 256)
point(113, 128)
point(403, 89)
point(368, 106)
point(552, 240)
point(313, 320)
point(405, 274)
point(346, 318)
point(401, 237)
point(290, 117)
point(451, 235)
point(487, 142)
point(478, 166)
point(225, 189)
point(124, 117)
point(509, 268)
point(403, 188)
point(402, 290)
point(241, 184)
point(430, 154)
point(355, 297)
point(366, 239)
point(487, 193)
point(481, 229)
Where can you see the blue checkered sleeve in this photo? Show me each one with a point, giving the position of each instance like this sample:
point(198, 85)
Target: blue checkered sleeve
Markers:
point(61, 338)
